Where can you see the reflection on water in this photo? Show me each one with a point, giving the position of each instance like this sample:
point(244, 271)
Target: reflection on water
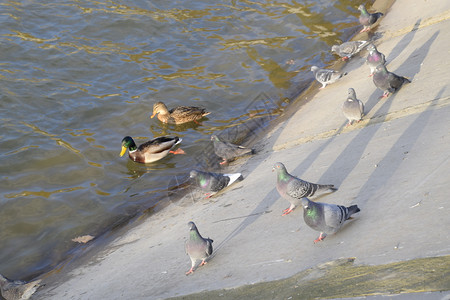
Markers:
point(78, 76)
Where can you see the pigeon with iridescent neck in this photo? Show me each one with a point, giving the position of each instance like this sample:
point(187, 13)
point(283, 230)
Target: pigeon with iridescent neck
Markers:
point(348, 49)
point(213, 182)
point(367, 19)
point(388, 81)
point(294, 189)
point(374, 58)
point(325, 76)
point(17, 289)
point(326, 218)
point(197, 247)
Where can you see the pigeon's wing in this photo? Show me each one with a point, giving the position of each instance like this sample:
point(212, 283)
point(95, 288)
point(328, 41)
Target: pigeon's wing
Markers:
point(361, 107)
point(218, 181)
point(296, 188)
point(374, 17)
point(395, 82)
point(334, 217)
point(209, 247)
point(324, 75)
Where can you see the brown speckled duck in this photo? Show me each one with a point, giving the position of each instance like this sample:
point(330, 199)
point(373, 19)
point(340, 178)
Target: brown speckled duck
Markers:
point(150, 151)
point(179, 114)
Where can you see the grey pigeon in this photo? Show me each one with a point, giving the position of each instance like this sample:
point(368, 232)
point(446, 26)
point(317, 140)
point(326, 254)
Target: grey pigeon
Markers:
point(348, 49)
point(17, 289)
point(197, 247)
point(326, 218)
point(374, 58)
point(325, 76)
point(387, 81)
point(213, 182)
point(228, 151)
point(294, 189)
point(353, 108)
point(366, 19)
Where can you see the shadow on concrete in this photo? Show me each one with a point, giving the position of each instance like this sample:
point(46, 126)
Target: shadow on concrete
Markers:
point(413, 63)
point(394, 157)
point(404, 42)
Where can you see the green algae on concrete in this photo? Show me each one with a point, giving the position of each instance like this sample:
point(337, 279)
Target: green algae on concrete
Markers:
point(341, 278)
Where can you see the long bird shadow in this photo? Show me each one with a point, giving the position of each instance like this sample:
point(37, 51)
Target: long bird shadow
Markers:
point(403, 43)
point(393, 158)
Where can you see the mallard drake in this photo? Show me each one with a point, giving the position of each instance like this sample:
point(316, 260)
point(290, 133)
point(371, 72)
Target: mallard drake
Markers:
point(152, 150)
point(179, 114)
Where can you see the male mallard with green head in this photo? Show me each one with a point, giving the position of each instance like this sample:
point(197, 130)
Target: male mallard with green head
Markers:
point(150, 151)
point(179, 114)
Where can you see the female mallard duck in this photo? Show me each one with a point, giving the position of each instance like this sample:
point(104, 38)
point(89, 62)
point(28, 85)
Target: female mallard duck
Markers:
point(152, 150)
point(179, 114)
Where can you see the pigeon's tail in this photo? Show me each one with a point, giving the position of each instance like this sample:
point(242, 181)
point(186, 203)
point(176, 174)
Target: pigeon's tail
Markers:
point(326, 187)
point(406, 80)
point(343, 74)
point(352, 210)
point(233, 177)
point(243, 151)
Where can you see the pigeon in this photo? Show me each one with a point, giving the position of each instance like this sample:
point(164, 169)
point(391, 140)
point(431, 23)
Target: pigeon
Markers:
point(348, 49)
point(326, 218)
point(387, 81)
point(213, 182)
point(294, 189)
point(374, 58)
point(353, 108)
point(366, 19)
point(197, 247)
point(228, 151)
point(17, 289)
point(325, 76)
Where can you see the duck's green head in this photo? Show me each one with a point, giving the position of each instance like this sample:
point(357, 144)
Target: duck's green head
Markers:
point(127, 143)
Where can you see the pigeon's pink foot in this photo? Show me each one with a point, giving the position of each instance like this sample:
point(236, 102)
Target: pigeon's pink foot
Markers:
point(190, 271)
point(370, 75)
point(223, 162)
point(286, 211)
point(345, 58)
point(208, 195)
point(320, 238)
point(385, 95)
point(203, 263)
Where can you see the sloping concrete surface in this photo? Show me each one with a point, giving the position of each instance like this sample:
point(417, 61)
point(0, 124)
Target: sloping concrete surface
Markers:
point(394, 165)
